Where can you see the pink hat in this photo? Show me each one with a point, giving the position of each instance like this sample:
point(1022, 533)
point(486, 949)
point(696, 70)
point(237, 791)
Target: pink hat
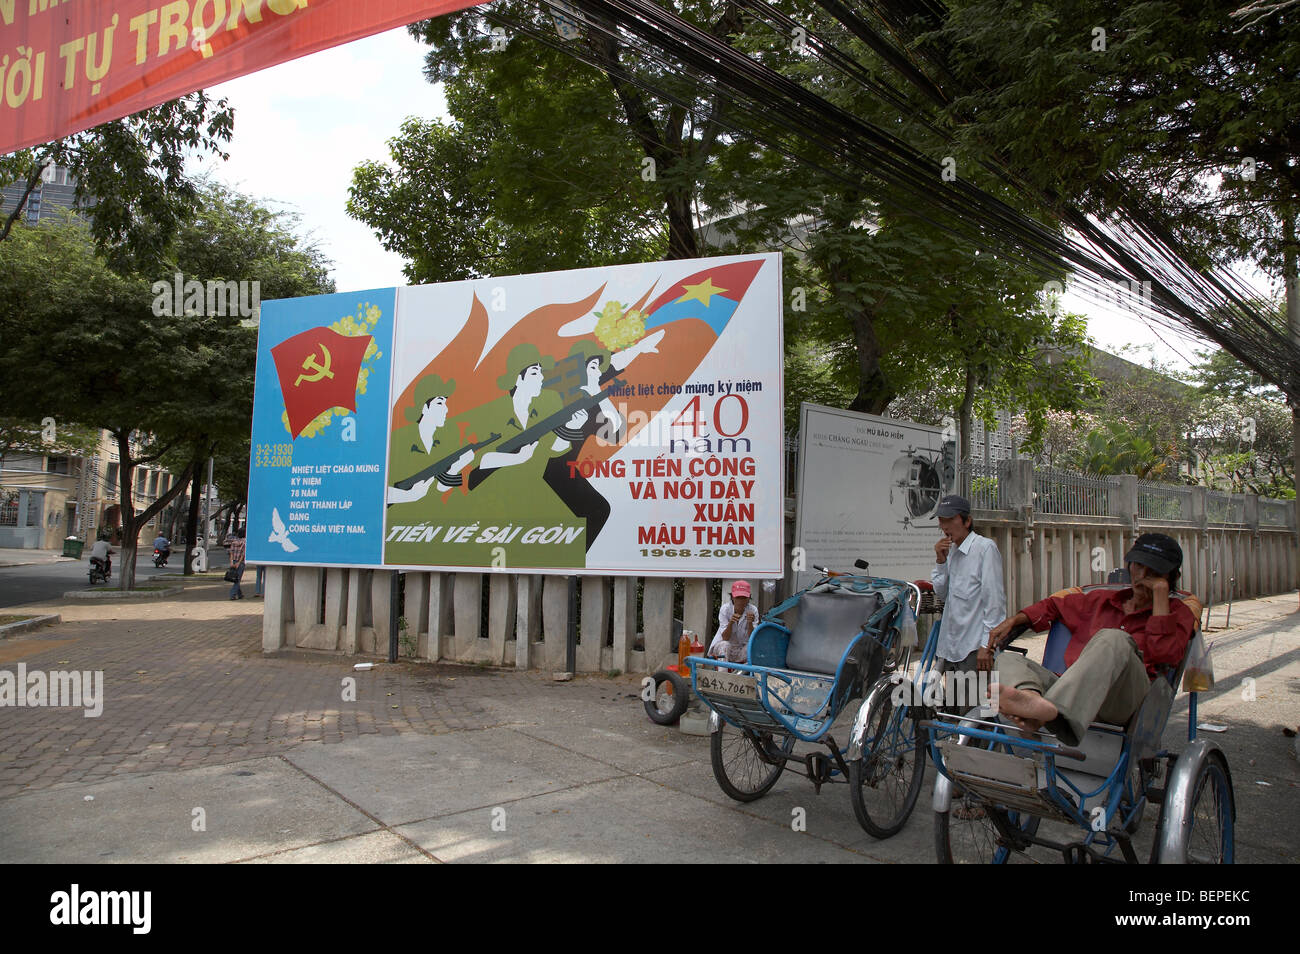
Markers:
point(740, 588)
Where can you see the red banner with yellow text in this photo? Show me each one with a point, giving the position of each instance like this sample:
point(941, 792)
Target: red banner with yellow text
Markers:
point(65, 67)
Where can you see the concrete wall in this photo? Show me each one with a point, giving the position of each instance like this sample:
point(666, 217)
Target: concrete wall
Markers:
point(526, 623)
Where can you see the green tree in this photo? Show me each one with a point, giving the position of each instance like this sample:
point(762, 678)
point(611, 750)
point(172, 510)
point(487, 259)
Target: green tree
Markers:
point(87, 343)
point(1187, 112)
point(1120, 448)
point(507, 188)
point(1241, 430)
point(132, 171)
point(82, 345)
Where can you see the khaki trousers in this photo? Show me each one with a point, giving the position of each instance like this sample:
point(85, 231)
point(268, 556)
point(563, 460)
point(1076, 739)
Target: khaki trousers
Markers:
point(968, 665)
point(1107, 683)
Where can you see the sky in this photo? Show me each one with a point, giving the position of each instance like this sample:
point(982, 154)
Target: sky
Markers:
point(301, 127)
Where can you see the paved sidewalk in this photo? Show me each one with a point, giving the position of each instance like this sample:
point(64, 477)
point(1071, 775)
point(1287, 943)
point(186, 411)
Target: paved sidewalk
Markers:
point(13, 556)
point(208, 751)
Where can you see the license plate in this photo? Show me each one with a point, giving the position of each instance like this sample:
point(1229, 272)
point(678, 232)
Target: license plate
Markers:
point(728, 684)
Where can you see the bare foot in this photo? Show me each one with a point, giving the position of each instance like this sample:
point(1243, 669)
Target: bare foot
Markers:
point(1026, 708)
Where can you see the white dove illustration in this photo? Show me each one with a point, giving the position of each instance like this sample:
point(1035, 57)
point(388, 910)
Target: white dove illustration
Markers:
point(280, 534)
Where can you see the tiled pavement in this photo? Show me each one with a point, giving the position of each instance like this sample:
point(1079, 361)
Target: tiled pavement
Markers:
point(188, 691)
point(186, 684)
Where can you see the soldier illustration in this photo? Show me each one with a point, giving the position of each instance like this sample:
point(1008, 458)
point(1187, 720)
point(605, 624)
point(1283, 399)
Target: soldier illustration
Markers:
point(587, 369)
point(576, 491)
point(425, 442)
point(527, 403)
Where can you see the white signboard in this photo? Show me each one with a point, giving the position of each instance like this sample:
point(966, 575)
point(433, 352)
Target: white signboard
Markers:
point(868, 489)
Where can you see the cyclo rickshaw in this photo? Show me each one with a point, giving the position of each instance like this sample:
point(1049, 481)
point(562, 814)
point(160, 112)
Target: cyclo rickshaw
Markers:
point(996, 787)
point(851, 633)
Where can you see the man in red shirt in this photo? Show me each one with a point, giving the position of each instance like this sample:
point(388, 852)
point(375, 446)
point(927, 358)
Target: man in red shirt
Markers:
point(1119, 639)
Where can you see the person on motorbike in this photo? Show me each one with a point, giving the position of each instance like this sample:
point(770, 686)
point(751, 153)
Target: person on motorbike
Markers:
point(163, 546)
point(102, 552)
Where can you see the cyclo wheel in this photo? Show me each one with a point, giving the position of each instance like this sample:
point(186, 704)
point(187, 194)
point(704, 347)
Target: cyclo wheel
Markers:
point(885, 782)
point(1209, 838)
point(966, 834)
point(670, 698)
point(738, 765)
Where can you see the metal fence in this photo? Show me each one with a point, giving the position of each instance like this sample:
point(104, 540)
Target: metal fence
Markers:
point(1063, 492)
point(984, 485)
point(1275, 513)
point(1225, 508)
point(1158, 501)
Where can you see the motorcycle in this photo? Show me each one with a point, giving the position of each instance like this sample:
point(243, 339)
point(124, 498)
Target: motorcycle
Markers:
point(99, 571)
point(160, 557)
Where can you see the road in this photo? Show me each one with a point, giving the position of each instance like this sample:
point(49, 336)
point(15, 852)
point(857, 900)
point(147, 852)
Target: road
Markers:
point(43, 582)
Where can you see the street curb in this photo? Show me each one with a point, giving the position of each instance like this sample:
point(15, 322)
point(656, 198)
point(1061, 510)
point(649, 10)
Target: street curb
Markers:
point(178, 579)
point(8, 629)
point(123, 594)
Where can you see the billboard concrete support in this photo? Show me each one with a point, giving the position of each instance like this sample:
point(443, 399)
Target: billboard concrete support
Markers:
point(594, 623)
point(467, 607)
point(624, 595)
point(555, 622)
point(696, 609)
point(275, 612)
point(501, 617)
point(528, 618)
point(657, 618)
point(440, 643)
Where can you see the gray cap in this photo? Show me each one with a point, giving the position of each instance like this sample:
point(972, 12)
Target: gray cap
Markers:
point(953, 505)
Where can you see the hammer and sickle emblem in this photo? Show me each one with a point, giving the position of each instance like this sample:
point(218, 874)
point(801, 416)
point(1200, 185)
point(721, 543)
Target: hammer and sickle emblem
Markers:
point(309, 364)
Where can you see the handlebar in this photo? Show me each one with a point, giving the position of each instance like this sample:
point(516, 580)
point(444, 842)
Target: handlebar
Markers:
point(1013, 634)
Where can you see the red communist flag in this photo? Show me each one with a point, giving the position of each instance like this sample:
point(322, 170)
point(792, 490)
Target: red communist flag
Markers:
point(318, 370)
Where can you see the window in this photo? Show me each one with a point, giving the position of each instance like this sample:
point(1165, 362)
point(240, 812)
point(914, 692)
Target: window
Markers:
point(35, 510)
point(110, 477)
point(9, 509)
point(57, 465)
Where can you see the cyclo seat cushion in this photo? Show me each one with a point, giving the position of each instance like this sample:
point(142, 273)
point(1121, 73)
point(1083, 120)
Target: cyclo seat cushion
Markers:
point(827, 624)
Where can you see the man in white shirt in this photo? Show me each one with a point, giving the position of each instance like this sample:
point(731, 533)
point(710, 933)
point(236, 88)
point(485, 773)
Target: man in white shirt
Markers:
point(968, 577)
point(736, 622)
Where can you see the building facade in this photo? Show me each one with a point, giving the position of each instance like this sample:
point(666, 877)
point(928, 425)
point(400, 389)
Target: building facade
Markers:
point(45, 498)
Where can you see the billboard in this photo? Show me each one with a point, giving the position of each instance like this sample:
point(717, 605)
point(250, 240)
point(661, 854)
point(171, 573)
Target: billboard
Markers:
point(868, 488)
point(72, 65)
point(621, 420)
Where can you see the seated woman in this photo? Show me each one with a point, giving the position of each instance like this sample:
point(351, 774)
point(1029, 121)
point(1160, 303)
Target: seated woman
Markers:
point(1119, 638)
point(736, 622)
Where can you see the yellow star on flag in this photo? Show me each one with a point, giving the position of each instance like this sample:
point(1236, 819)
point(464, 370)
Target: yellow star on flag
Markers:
point(701, 292)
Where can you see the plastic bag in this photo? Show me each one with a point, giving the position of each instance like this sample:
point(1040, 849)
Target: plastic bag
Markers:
point(1198, 674)
point(907, 629)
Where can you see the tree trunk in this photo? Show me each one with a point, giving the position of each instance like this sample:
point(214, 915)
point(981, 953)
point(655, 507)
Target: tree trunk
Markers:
point(192, 519)
point(963, 461)
point(682, 242)
point(131, 521)
point(126, 510)
point(181, 503)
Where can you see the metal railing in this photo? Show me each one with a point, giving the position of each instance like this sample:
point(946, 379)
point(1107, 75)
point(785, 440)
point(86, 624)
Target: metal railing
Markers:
point(1158, 501)
point(1275, 513)
point(983, 485)
point(1221, 508)
point(1063, 492)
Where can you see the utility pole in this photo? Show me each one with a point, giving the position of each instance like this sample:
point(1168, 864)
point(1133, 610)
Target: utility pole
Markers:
point(1291, 275)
